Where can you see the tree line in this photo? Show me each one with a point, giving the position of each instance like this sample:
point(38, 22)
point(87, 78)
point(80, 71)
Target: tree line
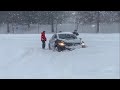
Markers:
point(58, 17)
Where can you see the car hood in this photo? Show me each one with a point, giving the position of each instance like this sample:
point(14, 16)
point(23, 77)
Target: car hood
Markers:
point(71, 40)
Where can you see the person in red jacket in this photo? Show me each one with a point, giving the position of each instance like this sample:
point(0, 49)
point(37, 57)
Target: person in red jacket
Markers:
point(43, 39)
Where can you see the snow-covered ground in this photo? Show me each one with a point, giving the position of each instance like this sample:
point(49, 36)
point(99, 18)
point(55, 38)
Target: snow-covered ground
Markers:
point(21, 56)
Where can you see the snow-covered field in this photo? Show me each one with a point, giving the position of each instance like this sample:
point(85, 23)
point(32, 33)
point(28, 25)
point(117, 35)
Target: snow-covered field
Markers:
point(21, 56)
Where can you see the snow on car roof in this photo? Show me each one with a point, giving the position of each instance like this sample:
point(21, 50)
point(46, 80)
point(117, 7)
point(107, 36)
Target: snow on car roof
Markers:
point(65, 33)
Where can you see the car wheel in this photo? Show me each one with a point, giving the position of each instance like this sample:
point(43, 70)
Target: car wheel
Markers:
point(59, 49)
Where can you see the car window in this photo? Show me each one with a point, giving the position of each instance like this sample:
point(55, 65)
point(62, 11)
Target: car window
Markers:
point(67, 36)
point(54, 36)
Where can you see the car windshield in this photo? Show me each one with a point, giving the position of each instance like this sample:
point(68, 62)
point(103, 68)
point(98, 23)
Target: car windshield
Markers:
point(67, 36)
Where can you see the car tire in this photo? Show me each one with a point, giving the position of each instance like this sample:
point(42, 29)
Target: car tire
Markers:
point(59, 49)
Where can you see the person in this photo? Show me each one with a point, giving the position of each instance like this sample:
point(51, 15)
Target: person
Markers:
point(75, 32)
point(43, 39)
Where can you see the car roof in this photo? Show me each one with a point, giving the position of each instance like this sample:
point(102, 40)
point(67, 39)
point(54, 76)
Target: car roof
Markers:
point(64, 33)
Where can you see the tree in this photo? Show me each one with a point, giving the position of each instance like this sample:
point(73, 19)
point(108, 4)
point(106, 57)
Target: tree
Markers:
point(54, 17)
point(98, 21)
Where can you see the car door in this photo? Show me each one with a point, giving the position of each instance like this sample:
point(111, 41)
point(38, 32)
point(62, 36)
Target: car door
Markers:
point(52, 41)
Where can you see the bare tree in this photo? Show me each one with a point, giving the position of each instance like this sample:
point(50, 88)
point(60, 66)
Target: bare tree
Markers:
point(98, 21)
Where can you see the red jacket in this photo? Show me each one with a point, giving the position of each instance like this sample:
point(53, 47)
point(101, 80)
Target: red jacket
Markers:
point(43, 37)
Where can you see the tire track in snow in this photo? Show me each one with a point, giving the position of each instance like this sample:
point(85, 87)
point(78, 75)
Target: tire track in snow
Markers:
point(18, 59)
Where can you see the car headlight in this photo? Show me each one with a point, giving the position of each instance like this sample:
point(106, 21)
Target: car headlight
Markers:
point(61, 44)
point(83, 44)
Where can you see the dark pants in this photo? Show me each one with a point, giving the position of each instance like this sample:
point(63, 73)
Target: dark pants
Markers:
point(43, 44)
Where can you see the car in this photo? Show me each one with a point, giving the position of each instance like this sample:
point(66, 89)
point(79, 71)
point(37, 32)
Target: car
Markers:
point(64, 41)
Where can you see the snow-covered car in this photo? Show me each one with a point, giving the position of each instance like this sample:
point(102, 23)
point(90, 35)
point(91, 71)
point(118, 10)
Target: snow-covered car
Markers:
point(64, 40)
